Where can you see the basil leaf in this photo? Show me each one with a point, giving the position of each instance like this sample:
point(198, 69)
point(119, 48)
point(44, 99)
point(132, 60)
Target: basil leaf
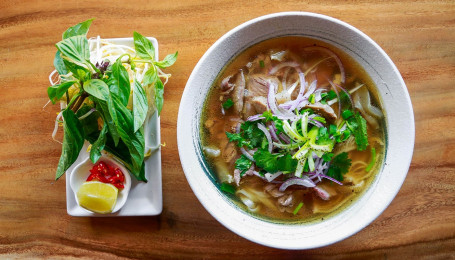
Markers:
point(59, 65)
point(98, 145)
point(150, 76)
point(104, 110)
point(56, 92)
point(97, 88)
point(78, 29)
point(79, 72)
point(168, 60)
point(121, 85)
point(134, 141)
point(73, 140)
point(144, 47)
point(75, 49)
point(159, 92)
point(89, 123)
point(140, 105)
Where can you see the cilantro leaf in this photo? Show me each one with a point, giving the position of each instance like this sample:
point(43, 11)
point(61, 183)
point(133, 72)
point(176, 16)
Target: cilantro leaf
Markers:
point(253, 134)
point(339, 166)
point(347, 114)
point(243, 164)
point(358, 126)
point(268, 116)
point(327, 157)
point(234, 137)
point(287, 164)
point(228, 104)
point(266, 160)
point(360, 133)
point(274, 162)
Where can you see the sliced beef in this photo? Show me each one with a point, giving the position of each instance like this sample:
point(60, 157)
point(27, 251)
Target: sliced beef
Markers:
point(259, 104)
point(324, 110)
point(238, 93)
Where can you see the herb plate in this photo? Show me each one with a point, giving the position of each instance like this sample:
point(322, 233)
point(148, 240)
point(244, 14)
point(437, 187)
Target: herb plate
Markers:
point(144, 199)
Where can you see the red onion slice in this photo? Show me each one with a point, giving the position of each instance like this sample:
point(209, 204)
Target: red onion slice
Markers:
point(331, 54)
point(305, 181)
point(255, 117)
point(330, 178)
point(270, 177)
point(272, 131)
point(247, 154)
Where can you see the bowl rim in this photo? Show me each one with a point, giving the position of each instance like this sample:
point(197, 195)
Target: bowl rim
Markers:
point(220, 217)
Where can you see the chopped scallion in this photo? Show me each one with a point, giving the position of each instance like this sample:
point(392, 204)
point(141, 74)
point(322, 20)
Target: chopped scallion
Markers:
point(261, 63)
point(312, 98)
point(296, 210)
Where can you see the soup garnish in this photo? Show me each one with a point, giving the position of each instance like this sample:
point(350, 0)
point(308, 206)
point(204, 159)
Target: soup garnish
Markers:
point(296, 134)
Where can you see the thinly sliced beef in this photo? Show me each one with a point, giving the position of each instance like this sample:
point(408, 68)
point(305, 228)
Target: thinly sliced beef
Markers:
point(239, 91)
point(259, 104)
point(258, 85)
point(323, 110)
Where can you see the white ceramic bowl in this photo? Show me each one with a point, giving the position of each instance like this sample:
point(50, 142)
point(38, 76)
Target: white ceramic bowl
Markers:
point(399, 130)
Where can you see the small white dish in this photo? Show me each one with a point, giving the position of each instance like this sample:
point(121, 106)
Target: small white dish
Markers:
point(81, 172)
point(399, 130)
point(144, 199)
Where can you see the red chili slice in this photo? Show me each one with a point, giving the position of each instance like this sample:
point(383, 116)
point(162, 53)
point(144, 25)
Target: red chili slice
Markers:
point(105, 173)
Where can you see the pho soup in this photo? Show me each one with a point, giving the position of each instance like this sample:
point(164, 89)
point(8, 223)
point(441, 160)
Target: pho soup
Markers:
point(293, 130)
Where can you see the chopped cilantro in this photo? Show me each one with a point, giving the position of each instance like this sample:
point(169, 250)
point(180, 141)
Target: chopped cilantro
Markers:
point(332, 129)
point(251, 132)
point(234, 137)
point(358, 127)
point(327, 157)
point(228, 188)
point(228, 104)
point(331, 95)
point(339, 166)
point(273, 162)
point(360, 133)
point(268, 115)
point(261, 63)
point(243, 164)
point(309, 110)
point(347, 114)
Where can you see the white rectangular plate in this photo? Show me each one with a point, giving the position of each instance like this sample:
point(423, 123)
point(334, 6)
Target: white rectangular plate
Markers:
point(144, 199)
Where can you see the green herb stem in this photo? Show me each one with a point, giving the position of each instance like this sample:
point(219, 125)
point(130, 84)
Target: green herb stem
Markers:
point(79, 102)
point(373, 160)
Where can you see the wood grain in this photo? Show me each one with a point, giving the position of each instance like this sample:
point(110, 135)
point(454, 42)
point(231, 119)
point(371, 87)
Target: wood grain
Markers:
point(419, 36)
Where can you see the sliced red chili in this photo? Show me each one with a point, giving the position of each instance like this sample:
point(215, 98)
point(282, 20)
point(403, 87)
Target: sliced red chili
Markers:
point(107, 174)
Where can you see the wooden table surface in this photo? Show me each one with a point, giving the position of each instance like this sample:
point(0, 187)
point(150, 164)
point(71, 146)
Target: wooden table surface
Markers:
point(419, 36)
